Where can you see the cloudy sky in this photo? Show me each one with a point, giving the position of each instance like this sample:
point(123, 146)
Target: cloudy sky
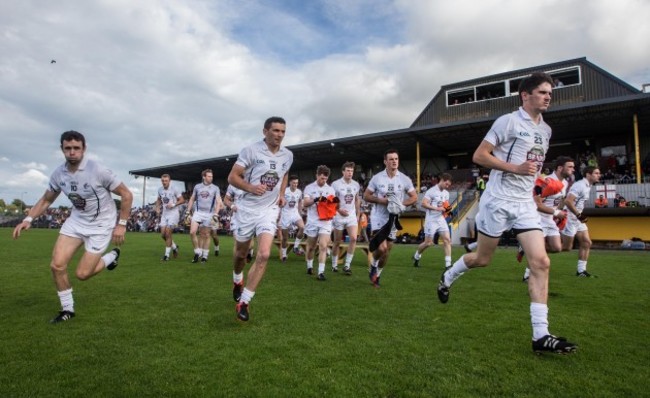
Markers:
point(155, 82)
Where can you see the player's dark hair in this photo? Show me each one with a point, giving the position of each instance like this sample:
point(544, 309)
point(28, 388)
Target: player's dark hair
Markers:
point(73, 136)
point(561, 161)
point(390, 150)
point(351, 165)
point(529, 83)
point(445, 177)
point(206, 171)
point(165, 176)
point(293, 177)
point(589, 170)
point(271, 120)
point(322, 169)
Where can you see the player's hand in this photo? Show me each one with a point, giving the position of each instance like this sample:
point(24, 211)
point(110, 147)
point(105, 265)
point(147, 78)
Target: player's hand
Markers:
point(528, 168)
point(23, 225)
point(118, 234)
point(258, 190)
point(344, 212)
point(169, 205)
point(282, 201)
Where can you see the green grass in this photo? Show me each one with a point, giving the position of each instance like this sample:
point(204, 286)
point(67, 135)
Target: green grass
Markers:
point(153, 329)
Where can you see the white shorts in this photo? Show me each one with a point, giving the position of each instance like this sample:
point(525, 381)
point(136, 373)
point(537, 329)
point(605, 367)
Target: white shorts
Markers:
point(438, 224)
point(169, 219)
point(202, 218)
point(251, 223)
point(340, 222)
point(549, 227)
point(286, 221)
point(312, 230)
point(95, 241)
point(573, 226)
point(495, 216)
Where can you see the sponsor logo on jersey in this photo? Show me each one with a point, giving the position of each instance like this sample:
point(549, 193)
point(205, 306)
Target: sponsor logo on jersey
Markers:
point(270, 179)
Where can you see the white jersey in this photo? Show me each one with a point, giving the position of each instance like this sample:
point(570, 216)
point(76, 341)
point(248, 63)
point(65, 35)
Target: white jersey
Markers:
point(516, 139)
point(315, 191)
point(347, 194)
point(581, 190)
point(166, 196)
point(89, 189)
point(263, 167)
point(234, 193)
point(436, 198)
point(553, 201)
point(293, 198)
point(205, 197)
point(380, 185)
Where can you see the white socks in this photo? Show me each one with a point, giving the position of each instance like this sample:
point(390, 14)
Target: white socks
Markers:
point(246, 296)
point(67, 302)
point(456, 270)
point(539, 320)
point(582, 266)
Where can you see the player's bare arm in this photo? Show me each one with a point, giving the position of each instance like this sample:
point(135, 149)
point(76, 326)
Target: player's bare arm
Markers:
point(39, 208)
point(125, 210)
point(369, 196)
point(236, 179)
point(541, 207)
point(483, 156)
point(411, 199)
point(570, 203)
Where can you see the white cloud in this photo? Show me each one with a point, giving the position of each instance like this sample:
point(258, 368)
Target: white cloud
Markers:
point(158, 82)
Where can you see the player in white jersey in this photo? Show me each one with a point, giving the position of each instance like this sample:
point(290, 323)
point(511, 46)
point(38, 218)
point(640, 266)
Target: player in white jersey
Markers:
point(169, 198)
point(387, 184)
point(549, 207)
point(291, 216)
point(515, 149)
point(318, 197)
point(204, 204)
point(436, 203)
point(230, 201)
point(261, 172)
point(576, 225)
point(88, 185)
point(347, 217)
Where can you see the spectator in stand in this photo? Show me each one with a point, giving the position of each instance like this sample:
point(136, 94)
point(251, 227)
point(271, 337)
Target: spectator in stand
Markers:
point(609, 176)
point(621, 161)
point(627, 178)
point(619, 201)
point(601, 201)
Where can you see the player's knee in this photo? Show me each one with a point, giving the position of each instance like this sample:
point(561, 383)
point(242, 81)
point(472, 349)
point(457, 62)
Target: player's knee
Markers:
point(353, 239)
point(57, 267)
point(263, 255)
point(542, 263)
point(83, 274)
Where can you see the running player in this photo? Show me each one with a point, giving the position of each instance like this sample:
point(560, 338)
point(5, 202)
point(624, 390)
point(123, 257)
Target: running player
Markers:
point(204, 204)
point(347, 217)
point(88, 185)
point(384, 186)
point(169, 198)
point(319, 225)
point(291, 216)
point(515, 149)
point(265, 165)
point(577, 224)
point(436, 203)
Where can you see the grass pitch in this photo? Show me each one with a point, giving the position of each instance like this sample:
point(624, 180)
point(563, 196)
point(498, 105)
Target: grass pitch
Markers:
point(169, 329)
